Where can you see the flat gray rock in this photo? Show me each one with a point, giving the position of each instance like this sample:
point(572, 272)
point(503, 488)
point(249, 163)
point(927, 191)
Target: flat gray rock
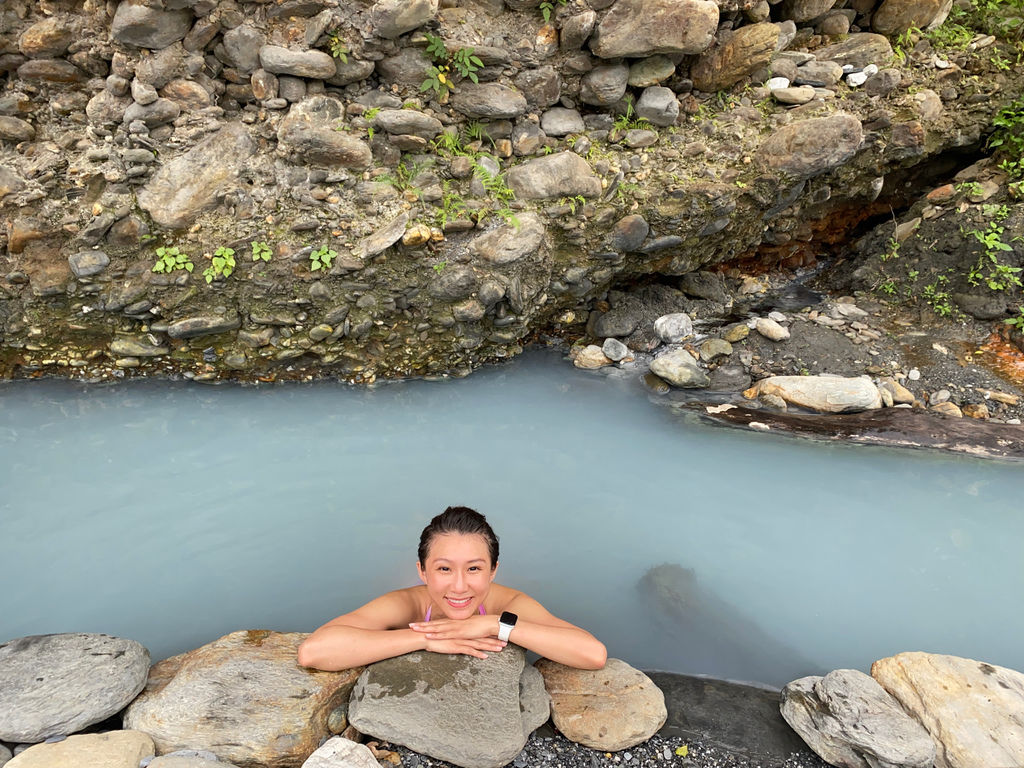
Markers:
point(475, 713)
point(679, 368)
point(812, 147)
point(88, 263)
point(561, 174)
point(643, 27)
point(55, 685)
point(137, 25)
point(508, 243)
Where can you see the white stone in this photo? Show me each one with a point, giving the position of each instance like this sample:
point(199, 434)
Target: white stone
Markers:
point(673, 328)
point(825, 394)
point(771, 330)
point(778, 82)
point(856, 79)
point(341, 753)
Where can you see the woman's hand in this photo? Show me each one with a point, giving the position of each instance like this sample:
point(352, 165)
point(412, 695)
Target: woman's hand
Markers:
point(474, 647)
point(473, 628)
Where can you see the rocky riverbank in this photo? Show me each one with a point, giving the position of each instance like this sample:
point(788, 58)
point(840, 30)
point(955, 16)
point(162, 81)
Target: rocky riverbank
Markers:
point(259, 191)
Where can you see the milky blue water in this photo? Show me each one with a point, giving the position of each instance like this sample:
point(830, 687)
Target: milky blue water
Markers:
point(174, 513)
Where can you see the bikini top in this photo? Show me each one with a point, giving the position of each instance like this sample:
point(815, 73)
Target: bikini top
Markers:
point(430, 607)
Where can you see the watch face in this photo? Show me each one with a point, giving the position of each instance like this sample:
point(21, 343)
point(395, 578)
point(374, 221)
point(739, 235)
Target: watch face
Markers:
point(508, 618)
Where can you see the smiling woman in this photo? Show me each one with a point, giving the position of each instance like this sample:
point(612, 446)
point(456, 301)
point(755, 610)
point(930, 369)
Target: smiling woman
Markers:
point(459, 609)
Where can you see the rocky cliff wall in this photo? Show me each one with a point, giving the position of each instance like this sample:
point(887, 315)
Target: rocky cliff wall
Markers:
point(302, 187)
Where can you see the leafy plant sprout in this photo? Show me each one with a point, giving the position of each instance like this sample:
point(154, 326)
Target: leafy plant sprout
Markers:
point(337, 47)
point(321, 258)
point(170, 259)
point(261, 251)
point(221, 265)
point(547, 8)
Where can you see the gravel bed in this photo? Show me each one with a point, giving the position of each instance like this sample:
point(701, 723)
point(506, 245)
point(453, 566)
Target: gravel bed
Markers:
point(657, 752)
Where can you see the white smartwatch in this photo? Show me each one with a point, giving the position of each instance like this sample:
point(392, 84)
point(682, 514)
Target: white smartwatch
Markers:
point(505, 624)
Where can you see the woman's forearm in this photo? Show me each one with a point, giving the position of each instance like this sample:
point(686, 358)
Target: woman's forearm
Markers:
point(571, 646)
point(341, 647)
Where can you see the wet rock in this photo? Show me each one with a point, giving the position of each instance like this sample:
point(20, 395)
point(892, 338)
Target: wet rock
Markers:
point(658, 105)
point(392, 18)
point(115, 749)
point(592, 357)
point(202, 325)
point(805, 10)
point(614, 349)
point(284, 61)
point(563, 174)
point(337, 752)
point(136, 24)
point(771, 330)
point(560, 121)
point(729, 378)
point(644, 27)
point(825, 394)
point(308, 132)
point(812, 147)
point(469, 311)
point(629, 233)
point(88, 263)
point(51, 71)
point(734, 56)
point(47, 39)
point(607, 709)
point(408, 121)
point(383, 238)
point(984, 306)
point(508, 243)
point(456, 699)
point(16, 129)
point(203, 700)
point(972, 709)
point(242, 48)
point(894, 17)
point(858, 50)
point(674, 327)
point(603, 86)
point(848, 719)
point(198, 180)
point(54, 685)
point(679, 368)
point(490, 101)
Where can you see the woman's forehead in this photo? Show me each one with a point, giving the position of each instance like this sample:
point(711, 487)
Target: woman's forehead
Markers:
point(460, 546)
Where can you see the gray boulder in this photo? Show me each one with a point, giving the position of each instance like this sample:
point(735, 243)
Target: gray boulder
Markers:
point(557, 175)
point(559, 121)
point(88, 263)
point(824, 394)
point(658, 105)
point(138, 25)
point(489, 101)
point(508, 243)
point(858, 50)
point(308, 132)
point(408, 122)
point(679, 368)
point(894, 17)
point(734, 56)
point(812, 147)
point(674, 327)
point(55, 685)
point(198, 180)
point(603, 86)
point(202, 325)
point(850, 721)
point(644, 27)
point(16, 129)
point(284, 61)
point(392, 18)
point(242, 47)
point(476, 713)
point(805, 10)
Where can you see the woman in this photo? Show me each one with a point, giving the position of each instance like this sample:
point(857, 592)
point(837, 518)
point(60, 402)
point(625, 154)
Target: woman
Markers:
point(459, 609)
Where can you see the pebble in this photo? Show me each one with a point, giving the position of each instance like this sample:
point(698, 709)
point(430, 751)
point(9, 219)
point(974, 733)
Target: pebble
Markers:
point(913, 374)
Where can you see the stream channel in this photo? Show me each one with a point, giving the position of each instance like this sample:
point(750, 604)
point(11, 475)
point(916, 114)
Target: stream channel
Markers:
point(173, 513)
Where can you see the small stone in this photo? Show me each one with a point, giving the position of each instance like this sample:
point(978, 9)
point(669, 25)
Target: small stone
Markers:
point(771, 330)
point(737, 332)
point(976, 410)
point(614, 349)
point(591, 357)
point(320, 332)
point(417, 234)
point(88, 263)
point(947, 409)
point(913, 374)
point(939, 396)
point(679, 369)
point(712, 349)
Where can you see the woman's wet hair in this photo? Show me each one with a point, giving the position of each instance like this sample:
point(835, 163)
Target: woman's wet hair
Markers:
point(459, 520)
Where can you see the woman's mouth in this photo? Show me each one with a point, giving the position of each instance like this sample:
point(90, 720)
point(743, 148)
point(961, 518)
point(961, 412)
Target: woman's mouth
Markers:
point(461, 603)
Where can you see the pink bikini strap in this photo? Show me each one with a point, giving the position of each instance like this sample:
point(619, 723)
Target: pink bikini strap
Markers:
point(429, 607)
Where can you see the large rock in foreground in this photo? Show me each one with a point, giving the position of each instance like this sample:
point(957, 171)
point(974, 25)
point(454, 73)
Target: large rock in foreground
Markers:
point(850, 721)
point(476, 713)
point(114, 749)
point(973, 710)
point(243, 697)
point(825, 394)
point(563, 174)
point(55, 685)
point(645, 27)
point(812, 147)
point(610, 709)
point(199, 179)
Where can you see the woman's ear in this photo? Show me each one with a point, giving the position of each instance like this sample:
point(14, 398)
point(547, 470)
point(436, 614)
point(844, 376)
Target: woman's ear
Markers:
point(494, 571)
point(419, 570)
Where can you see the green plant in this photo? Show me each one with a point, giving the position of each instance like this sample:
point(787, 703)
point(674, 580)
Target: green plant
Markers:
point(970, 188)
point(904, 43)
point(321, 258)
point(573, 202)
point(1008, 139)
point(402, 178)
point(466, 64)
point(439, 77)
point(547, 8)
point(221, 265)
point(439, 267)
point(937, 297)
point(261, 251)
point(337, 47)
point(628, 120)
point(950, 36)
point(170, 259)
point(995, 211)
point(1018, 321)
point(452, 206)
point(893, 250)
point(436, 48)
point(888, 287)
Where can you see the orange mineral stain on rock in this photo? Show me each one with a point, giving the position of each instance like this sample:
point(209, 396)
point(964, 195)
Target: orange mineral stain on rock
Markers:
point(1004, 358)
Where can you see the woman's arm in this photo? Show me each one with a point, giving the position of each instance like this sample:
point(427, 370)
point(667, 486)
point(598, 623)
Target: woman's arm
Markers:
point(379, 630)
point(536, 630)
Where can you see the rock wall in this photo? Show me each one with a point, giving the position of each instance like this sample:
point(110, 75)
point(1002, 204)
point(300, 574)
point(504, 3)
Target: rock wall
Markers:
point(411, 187)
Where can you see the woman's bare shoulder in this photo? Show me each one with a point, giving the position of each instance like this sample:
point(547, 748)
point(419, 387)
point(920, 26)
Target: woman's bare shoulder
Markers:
point(391, 610)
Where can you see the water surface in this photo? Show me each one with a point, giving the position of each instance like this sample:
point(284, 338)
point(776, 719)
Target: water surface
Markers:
point(174, 513)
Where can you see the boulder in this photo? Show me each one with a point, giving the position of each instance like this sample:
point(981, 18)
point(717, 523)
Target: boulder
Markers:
point(825, 394)
point(242, 48)
point(894, 17)
point(674, 327)
point(576, 29)
point(811, 147)
point(284, 61)
point(51, 70)
point(970, 708)
point(560, 121)
point(490, 101)
point(679, 368)
point(383, 238)
point(475, 713)
point(244, 698)
point(114, 749)
point(607, 709)
point(858, 50)
point(541, 87)
point(136, 24)
point(54, 685)
point(47, 38)
point(308, 132)
point(850, 721)
point(604, 86)
point(802, 11)
point(392, 18)
point(563, 174)
point(644, 27)
point(16, 129)
point(658, 105)
point(408, 122)
point(198, 180)
point(734, 57)
point(509, 243)
point(651, 71)
point(88, 263)
point(592, 357)
point(337, 752)
point(202, 325)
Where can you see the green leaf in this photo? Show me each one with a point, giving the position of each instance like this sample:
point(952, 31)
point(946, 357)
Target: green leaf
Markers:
point(190, 266)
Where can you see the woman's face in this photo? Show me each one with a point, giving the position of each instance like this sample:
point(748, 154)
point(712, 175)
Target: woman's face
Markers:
point(458, 573)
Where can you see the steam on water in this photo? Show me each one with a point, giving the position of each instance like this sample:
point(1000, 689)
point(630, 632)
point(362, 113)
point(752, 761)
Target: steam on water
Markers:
point(173, 514)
